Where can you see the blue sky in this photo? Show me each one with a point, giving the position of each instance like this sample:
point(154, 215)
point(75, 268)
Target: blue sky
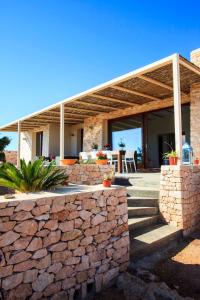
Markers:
point(52, 49)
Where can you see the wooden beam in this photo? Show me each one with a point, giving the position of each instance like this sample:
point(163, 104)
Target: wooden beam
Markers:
point(50, 118)
point(156, 82)
point(96, 105)
point(177, 107)
point(122, 89)
point(189, 66)
point(49, 113)
point(83, 110)
point(114, 100)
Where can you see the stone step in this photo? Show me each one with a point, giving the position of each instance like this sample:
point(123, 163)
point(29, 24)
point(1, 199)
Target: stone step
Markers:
point(142, 192)
point(141, 222)
point(142, 201)
point(153, 238)
point(142, 211)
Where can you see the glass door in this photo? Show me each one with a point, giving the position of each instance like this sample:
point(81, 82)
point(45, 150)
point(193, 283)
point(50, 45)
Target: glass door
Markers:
point(128, 131)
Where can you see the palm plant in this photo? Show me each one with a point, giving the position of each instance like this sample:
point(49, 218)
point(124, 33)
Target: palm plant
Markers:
point(31, 177)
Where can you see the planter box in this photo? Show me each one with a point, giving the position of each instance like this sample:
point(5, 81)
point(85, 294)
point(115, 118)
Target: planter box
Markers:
point(89, 174)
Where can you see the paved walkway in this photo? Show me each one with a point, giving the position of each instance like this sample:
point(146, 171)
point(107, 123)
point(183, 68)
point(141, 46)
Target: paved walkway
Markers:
point(150, 180)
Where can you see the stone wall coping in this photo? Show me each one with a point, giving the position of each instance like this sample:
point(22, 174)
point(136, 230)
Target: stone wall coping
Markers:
point(71, 189)
point(180, 167)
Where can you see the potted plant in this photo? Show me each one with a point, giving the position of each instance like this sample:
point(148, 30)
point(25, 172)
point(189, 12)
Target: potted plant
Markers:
point(94, 147)
point(107, 147)
point(196, 161)
point(101, 158)
point(165, 159)
point(68, 162)
point(107, 179)
point(121, 145)
point(172, 156)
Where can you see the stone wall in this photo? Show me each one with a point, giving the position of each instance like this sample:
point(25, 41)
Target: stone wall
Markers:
point(11, 156)
point(57, 245)
point(87, 173)
point(180, 197)
point(93, 133)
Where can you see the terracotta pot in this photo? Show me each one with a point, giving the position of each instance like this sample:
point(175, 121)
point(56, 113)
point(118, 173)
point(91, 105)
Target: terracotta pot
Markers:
point(173, 161)
point(68, 162)
point(101, 161)
point(196, 162)
point(107, 183)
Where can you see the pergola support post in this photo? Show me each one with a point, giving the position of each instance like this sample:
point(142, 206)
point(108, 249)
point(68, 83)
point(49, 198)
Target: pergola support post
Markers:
point(19, 143)
point(177, 106)
point(62, 131)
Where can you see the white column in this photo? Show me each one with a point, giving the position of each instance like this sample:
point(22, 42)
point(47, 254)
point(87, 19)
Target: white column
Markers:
point(177, 106)
point(19, 144)
point(62, 131)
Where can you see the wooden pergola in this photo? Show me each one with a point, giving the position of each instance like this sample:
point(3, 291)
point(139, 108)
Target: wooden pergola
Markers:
point(168, 78)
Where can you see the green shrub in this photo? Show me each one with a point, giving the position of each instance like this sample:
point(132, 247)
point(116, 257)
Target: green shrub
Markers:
point(32, 176)
point(4, 142)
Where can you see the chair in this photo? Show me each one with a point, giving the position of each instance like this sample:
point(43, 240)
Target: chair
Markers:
point(57, 160)
point(93, 154)
point(129, 159)
point(111, 161)
point(83, 155)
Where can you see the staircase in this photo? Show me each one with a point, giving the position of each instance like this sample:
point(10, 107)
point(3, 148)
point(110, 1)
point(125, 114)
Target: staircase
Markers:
point(147, 233)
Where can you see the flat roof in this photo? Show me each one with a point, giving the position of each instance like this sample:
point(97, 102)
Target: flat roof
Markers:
point(151, 83)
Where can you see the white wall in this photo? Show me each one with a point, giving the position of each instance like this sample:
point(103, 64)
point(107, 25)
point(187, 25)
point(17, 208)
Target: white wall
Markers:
point(26, 145)
point(72, 136)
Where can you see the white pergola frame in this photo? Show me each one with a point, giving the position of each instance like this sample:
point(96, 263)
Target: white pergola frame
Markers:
point(175, 59)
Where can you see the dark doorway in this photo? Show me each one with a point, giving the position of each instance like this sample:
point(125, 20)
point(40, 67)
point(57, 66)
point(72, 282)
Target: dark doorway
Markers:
point(39, 143)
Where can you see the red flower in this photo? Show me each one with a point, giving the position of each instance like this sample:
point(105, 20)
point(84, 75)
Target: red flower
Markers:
point(101, 155)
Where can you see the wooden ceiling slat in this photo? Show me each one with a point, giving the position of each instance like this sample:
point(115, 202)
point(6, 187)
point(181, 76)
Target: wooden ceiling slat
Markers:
point(50, 118)
point(114, 100)
point(119, 88)
point(83, 110)
point(49, 113)
point(156, 82)
point(97, 105)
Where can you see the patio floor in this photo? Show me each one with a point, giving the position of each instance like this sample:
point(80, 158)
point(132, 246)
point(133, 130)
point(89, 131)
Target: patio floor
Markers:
point(150, 180)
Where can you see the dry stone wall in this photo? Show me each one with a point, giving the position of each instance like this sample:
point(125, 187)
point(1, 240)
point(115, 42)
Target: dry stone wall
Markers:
point(11, 157)
point(89, 174)
point(180, 197)
point(61, 245)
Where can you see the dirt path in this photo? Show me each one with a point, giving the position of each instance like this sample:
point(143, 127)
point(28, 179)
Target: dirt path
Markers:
point(182, 270)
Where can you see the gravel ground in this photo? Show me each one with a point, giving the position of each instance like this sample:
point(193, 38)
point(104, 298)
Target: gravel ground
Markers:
point(182, 269)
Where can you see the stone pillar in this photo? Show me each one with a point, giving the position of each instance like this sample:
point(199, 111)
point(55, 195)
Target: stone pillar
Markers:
point(195, 108)
point(195, 57)
point(180, 197)
point(93, 133)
